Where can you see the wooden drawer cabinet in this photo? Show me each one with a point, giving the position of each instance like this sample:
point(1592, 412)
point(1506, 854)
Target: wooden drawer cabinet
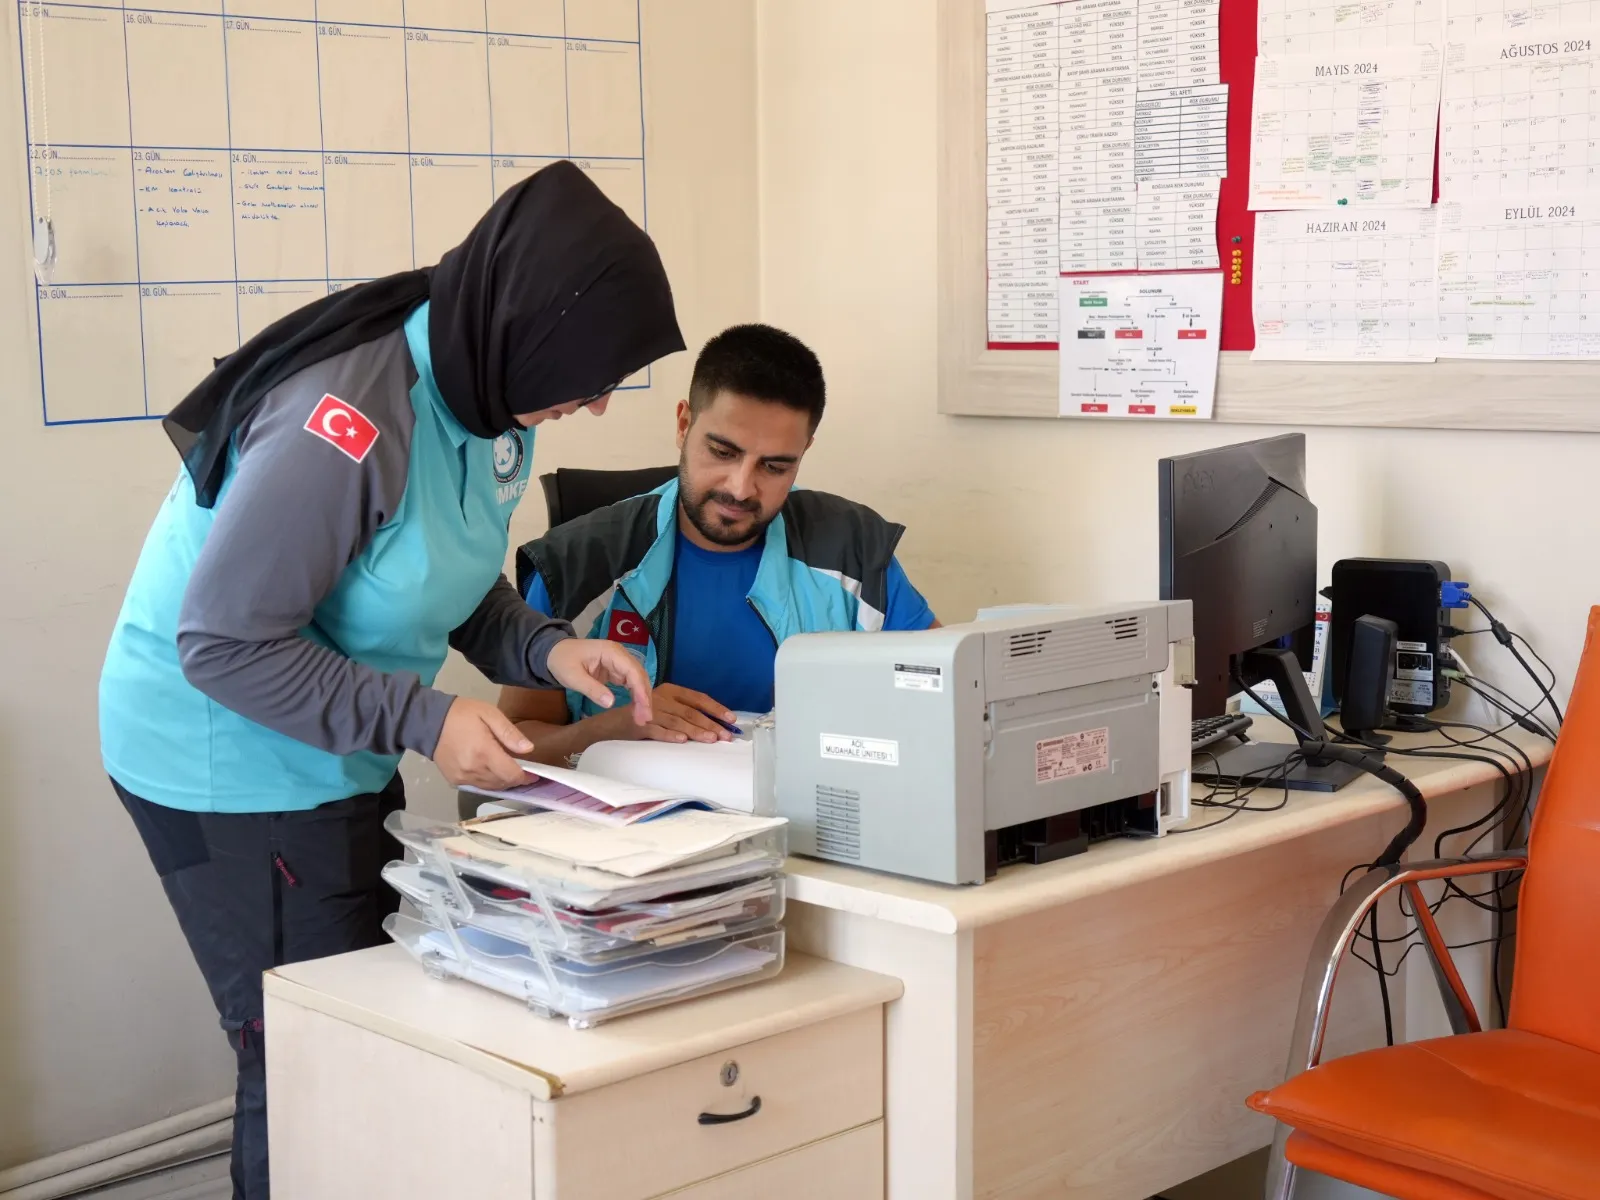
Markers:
point(385, 1082)
point(847, 1166)
point(811, 1082)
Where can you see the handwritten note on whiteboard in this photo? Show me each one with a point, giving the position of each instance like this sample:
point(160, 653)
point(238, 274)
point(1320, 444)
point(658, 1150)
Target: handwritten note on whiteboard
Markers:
point(206, 174)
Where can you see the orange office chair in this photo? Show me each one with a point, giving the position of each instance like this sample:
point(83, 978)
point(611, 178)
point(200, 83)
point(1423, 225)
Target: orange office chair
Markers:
point(1512, 1114)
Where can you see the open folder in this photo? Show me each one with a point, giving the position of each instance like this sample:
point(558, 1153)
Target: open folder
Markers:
point(722, 773)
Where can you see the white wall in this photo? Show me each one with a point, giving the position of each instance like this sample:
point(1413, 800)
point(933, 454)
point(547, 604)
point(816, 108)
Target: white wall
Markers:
point(700, 97)
point(104, 1022)
point(1003, 510)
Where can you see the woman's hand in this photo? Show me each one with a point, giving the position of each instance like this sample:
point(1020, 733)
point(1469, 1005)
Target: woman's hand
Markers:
point(476, 745)
point(589, 665)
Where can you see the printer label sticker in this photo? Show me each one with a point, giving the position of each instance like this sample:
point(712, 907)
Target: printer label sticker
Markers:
point(882, 751)
point(1413, 674)
point(1071, 755)
point(913, 678)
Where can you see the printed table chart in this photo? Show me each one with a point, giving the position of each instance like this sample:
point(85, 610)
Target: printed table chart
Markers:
point(1177, 43)
point(1099, 56)
point(1023, 123)
point(1181, 133)
point(304, 145)
point(1177, 224)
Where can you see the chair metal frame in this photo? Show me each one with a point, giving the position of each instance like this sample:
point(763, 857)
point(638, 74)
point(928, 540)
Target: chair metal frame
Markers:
point(1353, 908)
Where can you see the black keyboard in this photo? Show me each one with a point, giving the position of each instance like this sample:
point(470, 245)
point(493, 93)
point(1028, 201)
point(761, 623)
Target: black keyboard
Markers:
point(1208, 731)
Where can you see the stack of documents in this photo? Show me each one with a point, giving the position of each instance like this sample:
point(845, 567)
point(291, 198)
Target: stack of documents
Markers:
point(611, 801)
point(624, 775)
point(591, 907)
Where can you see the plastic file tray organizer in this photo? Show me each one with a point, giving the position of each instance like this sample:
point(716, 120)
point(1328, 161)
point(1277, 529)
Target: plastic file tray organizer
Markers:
point(629, 931)
point(580, 943)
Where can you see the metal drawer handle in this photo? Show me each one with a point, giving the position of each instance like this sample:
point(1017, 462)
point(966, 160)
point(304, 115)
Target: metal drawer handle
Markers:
point(729, 1118)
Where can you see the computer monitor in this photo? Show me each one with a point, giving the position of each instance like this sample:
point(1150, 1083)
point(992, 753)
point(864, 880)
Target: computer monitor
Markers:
point(1239, 541)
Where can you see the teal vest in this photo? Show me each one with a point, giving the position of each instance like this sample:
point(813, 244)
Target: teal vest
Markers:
point(824, 569)
point(424, 573)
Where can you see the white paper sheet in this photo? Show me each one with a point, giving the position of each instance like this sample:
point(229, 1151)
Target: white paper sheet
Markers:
point(631, 850)
point(1177, 224)
point(1513, 278)
point(1346, 287)
point(1520, 115)
point(1181, 133)
point(1177, 43)
point(1099, 90)
point(591, 888)
point(1140, 345)
point(1352, 130)
point(1317, 27)
point(1023, 121)
point(586, 794)
point(722, 773)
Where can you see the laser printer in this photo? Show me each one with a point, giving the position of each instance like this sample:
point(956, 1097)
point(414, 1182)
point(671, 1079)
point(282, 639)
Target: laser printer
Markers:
point(1020, 737)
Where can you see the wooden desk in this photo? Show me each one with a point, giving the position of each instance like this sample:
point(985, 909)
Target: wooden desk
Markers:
point(1088, 1030)
point(383, 1082)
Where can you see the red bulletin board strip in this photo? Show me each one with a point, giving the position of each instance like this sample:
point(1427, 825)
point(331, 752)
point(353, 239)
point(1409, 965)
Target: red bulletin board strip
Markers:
point(1236, 224)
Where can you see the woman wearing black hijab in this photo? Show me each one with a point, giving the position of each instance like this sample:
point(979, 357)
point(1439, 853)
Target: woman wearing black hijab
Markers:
point(339, 523)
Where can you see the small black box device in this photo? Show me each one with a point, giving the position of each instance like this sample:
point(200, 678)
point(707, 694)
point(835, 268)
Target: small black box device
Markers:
point(1369, 683)
point(1407, 592)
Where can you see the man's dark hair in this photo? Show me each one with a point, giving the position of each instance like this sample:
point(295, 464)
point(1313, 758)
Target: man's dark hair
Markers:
point(760, 362)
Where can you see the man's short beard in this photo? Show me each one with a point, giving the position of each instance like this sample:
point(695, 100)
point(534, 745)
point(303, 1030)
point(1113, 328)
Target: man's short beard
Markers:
point(695, 506)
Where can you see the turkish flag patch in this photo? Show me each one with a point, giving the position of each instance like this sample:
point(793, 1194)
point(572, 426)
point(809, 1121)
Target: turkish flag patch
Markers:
point(628, 628)
point(340, 425)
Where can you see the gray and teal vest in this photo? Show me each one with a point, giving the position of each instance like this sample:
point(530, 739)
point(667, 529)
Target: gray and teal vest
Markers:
point(824, 569)
point(440, 502)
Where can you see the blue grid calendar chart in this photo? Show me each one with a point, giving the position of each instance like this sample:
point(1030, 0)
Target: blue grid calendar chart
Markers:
point(210, 165)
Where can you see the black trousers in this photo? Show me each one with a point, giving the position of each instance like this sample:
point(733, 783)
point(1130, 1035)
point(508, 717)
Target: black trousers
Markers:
point(253, 891)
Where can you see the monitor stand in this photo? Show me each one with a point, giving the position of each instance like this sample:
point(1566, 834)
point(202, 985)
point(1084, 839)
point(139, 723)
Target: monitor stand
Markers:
point(1261, 764)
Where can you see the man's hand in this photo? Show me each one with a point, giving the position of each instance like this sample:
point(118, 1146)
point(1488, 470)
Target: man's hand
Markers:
point(476, 745)
point(685, 716)
point(589, 665)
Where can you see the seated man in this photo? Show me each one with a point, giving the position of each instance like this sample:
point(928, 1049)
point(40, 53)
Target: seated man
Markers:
point(704, 577)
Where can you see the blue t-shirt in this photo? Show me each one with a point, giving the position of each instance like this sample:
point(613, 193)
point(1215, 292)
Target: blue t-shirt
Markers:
point(720, 646)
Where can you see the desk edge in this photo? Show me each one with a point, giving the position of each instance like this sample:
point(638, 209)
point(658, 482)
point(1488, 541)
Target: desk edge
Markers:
point(872, 989)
